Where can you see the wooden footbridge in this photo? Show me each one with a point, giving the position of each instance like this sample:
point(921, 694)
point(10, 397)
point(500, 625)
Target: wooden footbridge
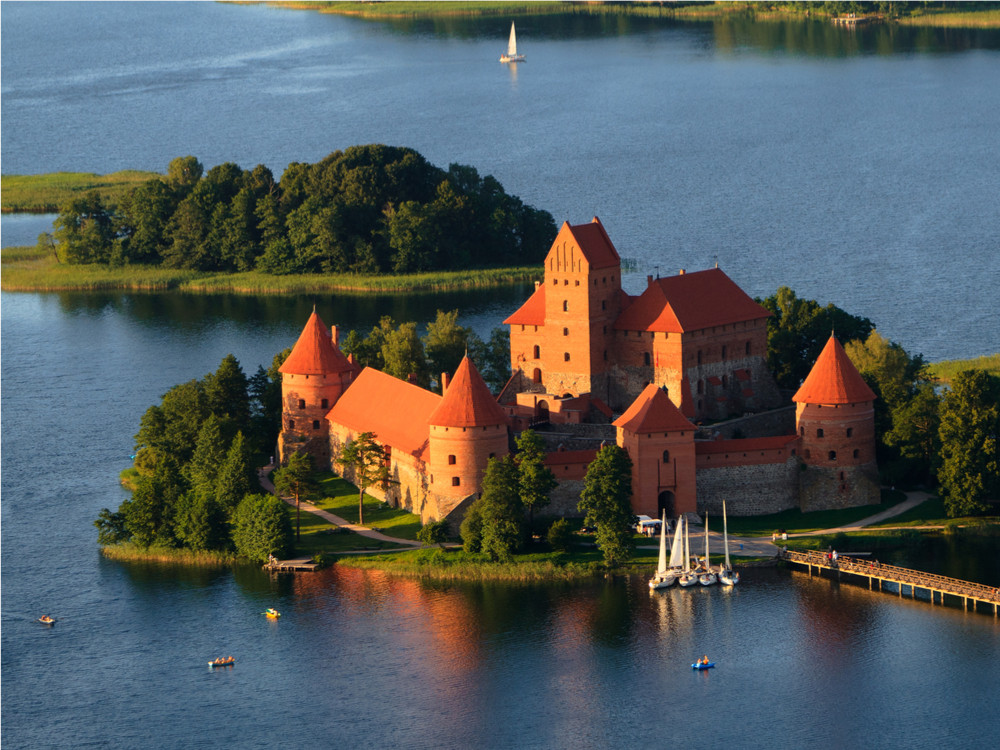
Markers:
point(899, 578)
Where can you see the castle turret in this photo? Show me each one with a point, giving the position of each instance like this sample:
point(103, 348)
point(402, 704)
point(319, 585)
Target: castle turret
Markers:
point(660, 441)
point(313, 377)
point(835, 418)
point(467, 428)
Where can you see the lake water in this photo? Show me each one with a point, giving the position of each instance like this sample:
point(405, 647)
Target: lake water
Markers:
point(851, 171)
point(858, 168)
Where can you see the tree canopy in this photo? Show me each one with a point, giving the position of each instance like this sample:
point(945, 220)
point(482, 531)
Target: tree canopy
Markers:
point(607, 501)
point(369, 209)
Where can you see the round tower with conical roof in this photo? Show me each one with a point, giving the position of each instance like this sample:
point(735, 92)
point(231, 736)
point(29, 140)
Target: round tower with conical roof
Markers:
point(313, 377)
point(835, 419)
point(467, 429)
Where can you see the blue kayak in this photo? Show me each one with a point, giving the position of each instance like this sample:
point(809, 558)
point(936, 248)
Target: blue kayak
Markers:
point(703, 666)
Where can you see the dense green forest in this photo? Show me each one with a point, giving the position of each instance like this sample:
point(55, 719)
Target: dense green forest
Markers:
point(367, 210)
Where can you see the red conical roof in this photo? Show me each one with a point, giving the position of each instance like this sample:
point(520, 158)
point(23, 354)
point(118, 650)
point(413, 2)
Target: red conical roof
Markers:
point(315, 353)
point(653, 411)
point(467, 401)
point(833, 379)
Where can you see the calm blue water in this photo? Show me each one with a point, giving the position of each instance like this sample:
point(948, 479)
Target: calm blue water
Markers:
point(860, 169)
point(862, 178)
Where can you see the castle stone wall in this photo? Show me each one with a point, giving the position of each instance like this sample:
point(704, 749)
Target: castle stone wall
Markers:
point(749, 490)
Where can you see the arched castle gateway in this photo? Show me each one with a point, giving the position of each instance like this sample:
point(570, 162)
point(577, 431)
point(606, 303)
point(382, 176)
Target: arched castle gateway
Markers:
point(672, 375)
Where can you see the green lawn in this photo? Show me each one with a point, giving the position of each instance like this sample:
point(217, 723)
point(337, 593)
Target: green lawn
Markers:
point(341, 498)
point(321, 538)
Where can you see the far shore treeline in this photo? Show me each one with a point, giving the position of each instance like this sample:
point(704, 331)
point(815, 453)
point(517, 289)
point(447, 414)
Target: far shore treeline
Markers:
point(371, 209)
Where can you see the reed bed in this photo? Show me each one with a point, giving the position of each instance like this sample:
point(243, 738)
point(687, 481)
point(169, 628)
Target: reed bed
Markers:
point(443, 565)
point(979, 19)
point(46, 193)
point(30, 269)
point(128, 552)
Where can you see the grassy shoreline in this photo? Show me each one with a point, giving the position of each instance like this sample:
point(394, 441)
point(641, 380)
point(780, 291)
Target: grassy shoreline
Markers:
point(952, 16)
point(45, 193)
point(28, 269)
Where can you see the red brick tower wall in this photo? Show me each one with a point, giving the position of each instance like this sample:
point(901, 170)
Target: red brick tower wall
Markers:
point(305, 402)
point(837, 445)
point(652, 476)
point(461, 453)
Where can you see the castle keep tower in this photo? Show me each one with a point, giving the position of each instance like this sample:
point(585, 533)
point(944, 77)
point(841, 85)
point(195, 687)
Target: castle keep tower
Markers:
point(560, 336)
point(660, 442)
point(835, 419)
point(467, 428)
point(313, 377)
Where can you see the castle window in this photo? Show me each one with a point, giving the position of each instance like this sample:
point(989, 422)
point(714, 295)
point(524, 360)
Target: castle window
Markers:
point(302, 403)
point(291, 424)
point(565, 332)
point(832, 455)
point(645, 358)
point(493, 455)
point(604, 304)
point(746, 349)
point(456, 482)
point(537, 351)
point(699, 356)
point(850, 431)
point(325, 403)
point(605, 355)
point(841, 476)
point(565, 305)
point(555, 281)
point(724, 381)
point(576, 283)
point(315, 424)
point(723, 352)
point(565, 282)
point(565, 356)
point(536, 376)
point(819, 432)
point(701, 387)
point(856, 453)
point(666, 457)
point(451, 460)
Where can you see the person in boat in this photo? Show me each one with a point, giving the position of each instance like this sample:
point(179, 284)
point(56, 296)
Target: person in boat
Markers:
point(704, 659)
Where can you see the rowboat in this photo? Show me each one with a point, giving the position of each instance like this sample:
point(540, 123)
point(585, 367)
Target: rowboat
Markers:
point(46, 620)
point(272, 613)
point(223, 661)
point(699, 665)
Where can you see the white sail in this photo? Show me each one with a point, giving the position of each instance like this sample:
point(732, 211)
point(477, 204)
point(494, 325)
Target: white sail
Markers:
point(687, 548)
point(725, 534)
point(512, 42)
point(677, 548)
point(707, 566)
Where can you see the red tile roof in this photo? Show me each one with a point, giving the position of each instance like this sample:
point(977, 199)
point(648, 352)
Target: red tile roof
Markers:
point(467, 402)
point(532, 312)
point(690, 302)
point(744, 445)
point(315, 353)
point(833, 379)
point(653, 411)
point(396, 411)
point(594, 243)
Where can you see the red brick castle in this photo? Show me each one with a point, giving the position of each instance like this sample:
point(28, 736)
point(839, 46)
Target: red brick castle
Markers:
point(676, 376)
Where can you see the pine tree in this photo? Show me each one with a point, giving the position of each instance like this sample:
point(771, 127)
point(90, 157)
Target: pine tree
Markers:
point(236, 477)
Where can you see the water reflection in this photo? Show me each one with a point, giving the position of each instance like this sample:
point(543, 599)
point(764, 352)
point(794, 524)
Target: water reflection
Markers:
point(813, 37)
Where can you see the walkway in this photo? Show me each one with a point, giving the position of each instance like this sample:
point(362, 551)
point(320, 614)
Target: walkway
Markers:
point(265, 482)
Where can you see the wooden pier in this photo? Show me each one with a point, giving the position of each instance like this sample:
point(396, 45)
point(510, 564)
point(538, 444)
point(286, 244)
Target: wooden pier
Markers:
point(852, 20)
point(900, 578)
point(291, 566)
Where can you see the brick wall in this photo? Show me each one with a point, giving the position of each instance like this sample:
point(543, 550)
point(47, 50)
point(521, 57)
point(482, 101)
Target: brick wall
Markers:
point(749, 490)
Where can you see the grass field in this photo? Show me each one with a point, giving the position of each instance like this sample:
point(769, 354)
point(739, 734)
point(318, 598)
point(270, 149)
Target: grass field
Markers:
point(945, 371)
point(46, 193)
point(28, 269)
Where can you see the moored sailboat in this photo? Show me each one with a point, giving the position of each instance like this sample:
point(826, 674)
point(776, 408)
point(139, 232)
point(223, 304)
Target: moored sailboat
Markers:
point(511, 54)
point(707, 578)
point(688, 577)
point(727, 575)
point(663, 577)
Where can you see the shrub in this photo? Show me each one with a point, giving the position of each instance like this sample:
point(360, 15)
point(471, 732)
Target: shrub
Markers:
point(560, 535)
point(435, 532)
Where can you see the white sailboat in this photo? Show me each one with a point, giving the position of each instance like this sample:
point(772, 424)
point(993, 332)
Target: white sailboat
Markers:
point(727, 575)
point(663, 578)
point(708, 577)
point(688, 576)
point(511, 54)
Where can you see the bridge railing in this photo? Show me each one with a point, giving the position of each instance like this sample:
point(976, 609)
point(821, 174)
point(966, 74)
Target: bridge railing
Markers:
point(895, 573)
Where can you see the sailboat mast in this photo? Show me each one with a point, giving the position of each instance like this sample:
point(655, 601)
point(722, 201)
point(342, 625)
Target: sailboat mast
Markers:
point(512, 42)
point(662, 566)
point(707, 566)
point(725, 533)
